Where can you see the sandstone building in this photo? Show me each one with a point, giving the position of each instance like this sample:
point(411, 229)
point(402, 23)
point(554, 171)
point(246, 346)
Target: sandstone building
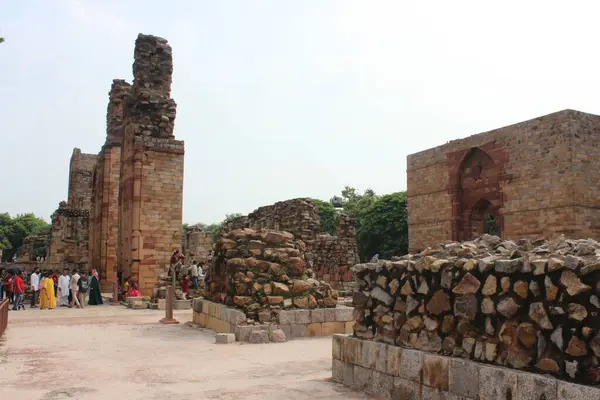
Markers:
point(537, 178)
point(124, 213)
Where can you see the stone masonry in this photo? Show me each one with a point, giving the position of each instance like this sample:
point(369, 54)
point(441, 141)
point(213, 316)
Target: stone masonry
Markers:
point(196, 245)
point(151, 185)
point(104, 219)
point(330, 257)
point(537, 178)
point(524, 305)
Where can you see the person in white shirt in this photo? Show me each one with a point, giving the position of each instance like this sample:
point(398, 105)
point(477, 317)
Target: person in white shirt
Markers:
point(34, 281)
point(194, 272)
point(63, 289)
point(74, 286)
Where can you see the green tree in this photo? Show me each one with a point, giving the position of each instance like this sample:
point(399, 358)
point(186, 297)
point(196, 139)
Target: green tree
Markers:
point(1, 40)
point(328, 216)
point(354, 203)
point(14, 230)
point(383, 227)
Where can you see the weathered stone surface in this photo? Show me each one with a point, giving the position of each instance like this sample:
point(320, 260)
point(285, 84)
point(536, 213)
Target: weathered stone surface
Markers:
point(595, 344)
point(505, 285)
point(554, 264)
point(491, 286)
point(539, 266)
point(381, 295)
point(551, 289)
point(587, 269)
point(488, 306)
point(527, 334)
point(521, 288)
point(497, 383)
point(258, 336)
point(508, 307)
point(411, 304)
point(435, 372)
point(468, 285)
point(439, 303)
point(576, 347)
point(548, 365)
point(466, 306)
point(536, 387)
point(573, 284)
point(507, 266)
point(557, 338)
point(225, 338)
point(406, 289)
point(577, 311)
point(277, 336)
point(538, 314)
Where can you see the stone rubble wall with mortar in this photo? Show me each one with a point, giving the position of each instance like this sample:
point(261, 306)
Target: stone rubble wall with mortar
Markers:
point(295, 324)
point(526, 305)
point(546, 161)
point(265, 271)
point(34, 246)
point(81, 171)
point(392, 372)
point(69, 237)
point(330, 257)
point(196, 246)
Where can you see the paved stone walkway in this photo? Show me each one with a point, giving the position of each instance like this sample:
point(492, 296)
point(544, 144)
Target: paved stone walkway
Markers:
point(112, 352)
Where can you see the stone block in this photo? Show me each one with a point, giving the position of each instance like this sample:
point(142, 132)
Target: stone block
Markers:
point(405, 389)
point(331, 328)
point(337, 371)
point(162, 304)
point(373, 355)
point(348, 375)
point(329, 314)
point(314, 329)
point(242, 333)
point(393, 356)
point(196, 304)
point(497, 383)
point(533, 387)
point(572, 391)
point(299, 330)
point(287, 317)
point(287, 329)
point(382, 385)
point(337, 343)
point(236, 317)
point(435, 371)
point(264, 317)
point(218, 309)
point(302, 316)
point(463, 378)
point(362, 378)
point(224, 338)
point(259, 336)
point(429, 393)
point(349, 327)
point(317, 315)
point(277, 336)
point(344, 314)
point(351, 350)
point(411, 363)
point(211, 308)
point(182, 305)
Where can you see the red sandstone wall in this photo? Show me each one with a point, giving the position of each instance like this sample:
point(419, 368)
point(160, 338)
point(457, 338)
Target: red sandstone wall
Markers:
point(538, 182)
point(81, 169)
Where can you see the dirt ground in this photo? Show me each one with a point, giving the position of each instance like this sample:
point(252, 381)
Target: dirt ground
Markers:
point(112, 352)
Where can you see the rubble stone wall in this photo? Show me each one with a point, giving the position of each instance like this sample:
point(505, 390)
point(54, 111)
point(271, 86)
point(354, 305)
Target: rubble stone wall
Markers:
point(69, 237)
point(34, 247)
point(197, 246)
point(392, 372)
point(265, 270)
point(81, 170)
point(150, 195)
point(523, 305)
point(525, 174)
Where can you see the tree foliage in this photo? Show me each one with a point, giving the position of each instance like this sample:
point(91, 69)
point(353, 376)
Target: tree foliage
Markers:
point(14, 230)
point(214, 229)
point(328, 216)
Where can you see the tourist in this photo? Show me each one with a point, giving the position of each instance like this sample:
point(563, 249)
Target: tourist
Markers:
point(19, 292)
point(176, 262)
point(54, 277)
point(209, 258)
point(83, 288)
point(8, 281)
point(194, 273)
point(133, 292)
point(94, 290)
point(34, 282)
point(185, 286)
point(2, 275)
point(74, 286)
point(47, 298)
point(63, 290)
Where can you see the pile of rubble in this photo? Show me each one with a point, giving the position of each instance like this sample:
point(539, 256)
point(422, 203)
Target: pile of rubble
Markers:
point(265, 270)
point(524, 304)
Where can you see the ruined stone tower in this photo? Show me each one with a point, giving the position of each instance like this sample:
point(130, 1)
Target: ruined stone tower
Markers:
point(151, 185)
point(104, 218)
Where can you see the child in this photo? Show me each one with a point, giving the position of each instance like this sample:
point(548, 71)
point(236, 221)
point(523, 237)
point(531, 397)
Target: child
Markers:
point(185, 286)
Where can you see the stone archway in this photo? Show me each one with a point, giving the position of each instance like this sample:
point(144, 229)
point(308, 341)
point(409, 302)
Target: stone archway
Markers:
point(477, 196)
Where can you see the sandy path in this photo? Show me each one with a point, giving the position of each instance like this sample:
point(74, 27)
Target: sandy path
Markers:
point(112, 352)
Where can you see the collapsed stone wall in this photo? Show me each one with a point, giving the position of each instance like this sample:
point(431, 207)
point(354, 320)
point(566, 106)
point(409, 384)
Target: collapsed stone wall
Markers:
point(196, 245)
point(35, 248)
point(329, 256)
point(265, 270)
point(69, 237)
point(526, 305)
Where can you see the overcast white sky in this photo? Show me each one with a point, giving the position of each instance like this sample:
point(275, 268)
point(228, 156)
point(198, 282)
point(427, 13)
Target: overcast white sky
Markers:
point(281, 99)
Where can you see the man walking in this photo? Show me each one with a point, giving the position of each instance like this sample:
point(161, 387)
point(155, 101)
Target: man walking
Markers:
point(19, 291)
point(194, 273)
point(63, 290)
point(82, 288)
point(75, 289)
point(34, 281)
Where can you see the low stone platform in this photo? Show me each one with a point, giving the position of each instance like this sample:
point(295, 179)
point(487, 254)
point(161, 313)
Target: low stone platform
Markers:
point(393, 372)
point(294, 323)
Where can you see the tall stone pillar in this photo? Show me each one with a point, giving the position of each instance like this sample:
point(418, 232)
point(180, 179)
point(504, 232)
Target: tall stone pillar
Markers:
point(151, 168)
point(104, 236)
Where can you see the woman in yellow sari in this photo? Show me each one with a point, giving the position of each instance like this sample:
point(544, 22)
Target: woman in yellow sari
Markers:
point(47, 297)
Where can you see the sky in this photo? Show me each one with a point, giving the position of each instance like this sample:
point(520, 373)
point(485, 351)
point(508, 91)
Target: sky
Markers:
point(280, 99)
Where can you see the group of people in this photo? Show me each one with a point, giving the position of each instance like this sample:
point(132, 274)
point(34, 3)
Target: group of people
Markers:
point(70, 289)
point(191, 275)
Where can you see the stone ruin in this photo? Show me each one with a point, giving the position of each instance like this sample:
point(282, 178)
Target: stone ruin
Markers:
point(196, 244)
point(526, 305)
point(330, 257)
